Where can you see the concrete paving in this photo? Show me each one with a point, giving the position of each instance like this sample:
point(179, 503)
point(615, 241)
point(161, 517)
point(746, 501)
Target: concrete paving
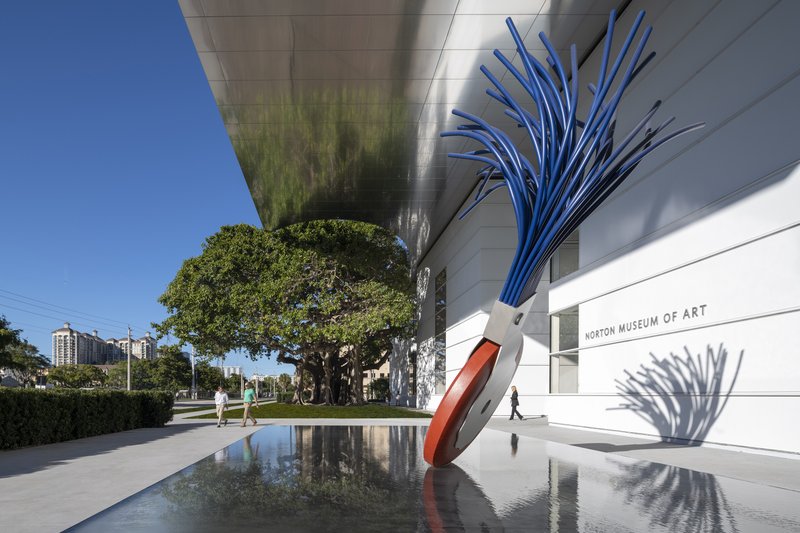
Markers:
point(52, 487)
point(55, 486)
point(775, 471)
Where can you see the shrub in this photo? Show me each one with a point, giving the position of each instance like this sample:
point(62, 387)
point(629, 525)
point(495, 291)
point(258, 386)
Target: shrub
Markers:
point(288, 396)
point(32, 417)
point(284, 397)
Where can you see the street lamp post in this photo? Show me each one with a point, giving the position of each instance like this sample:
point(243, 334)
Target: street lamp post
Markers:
point(193, 392)
point(129, 358)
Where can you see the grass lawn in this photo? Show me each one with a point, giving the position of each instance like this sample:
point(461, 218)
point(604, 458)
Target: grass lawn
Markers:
point(190, 409)
point(284, 410)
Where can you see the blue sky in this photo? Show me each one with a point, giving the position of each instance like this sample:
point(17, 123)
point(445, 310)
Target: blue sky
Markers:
point(114, 165)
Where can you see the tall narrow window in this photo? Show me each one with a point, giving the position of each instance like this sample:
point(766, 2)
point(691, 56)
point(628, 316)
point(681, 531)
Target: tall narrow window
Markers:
point(440, 328)
point(565, 258)
point(564, 351)
point(412, 372)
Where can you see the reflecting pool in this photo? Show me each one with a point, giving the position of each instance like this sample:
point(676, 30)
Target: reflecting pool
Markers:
point(373, 478)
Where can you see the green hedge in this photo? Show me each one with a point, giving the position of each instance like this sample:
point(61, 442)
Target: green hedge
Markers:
point(32, 417)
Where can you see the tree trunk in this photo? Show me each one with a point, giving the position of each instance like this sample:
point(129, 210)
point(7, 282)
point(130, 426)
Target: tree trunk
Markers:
point(339, 379)
point(299, 364)
point(356, 378)
point(314, 366)
point(298, 389)
point(327, 379)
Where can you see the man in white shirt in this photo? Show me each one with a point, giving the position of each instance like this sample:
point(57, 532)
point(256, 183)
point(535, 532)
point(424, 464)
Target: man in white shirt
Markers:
point(221, 400)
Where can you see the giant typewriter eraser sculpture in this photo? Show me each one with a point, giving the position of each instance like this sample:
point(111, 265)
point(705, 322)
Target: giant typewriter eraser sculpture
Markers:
point(565, 170)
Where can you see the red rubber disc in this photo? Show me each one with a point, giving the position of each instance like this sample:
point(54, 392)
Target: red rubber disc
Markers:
point(440, 441)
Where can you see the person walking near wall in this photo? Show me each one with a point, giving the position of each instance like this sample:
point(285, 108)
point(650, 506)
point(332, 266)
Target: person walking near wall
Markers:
point(221, 401)
point(514, 403)
point(249, 400)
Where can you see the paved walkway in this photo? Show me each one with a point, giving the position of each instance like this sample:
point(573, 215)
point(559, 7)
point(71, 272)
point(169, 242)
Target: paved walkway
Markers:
point(52, 487)
point(753, 467)
point(55, 486)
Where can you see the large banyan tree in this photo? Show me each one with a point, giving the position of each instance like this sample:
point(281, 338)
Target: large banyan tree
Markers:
point(326, 296)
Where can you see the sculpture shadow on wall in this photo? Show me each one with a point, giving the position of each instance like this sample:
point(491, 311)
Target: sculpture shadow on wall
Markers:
point(681, 397)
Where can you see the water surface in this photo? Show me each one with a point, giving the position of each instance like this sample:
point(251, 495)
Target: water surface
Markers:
point(373, 478)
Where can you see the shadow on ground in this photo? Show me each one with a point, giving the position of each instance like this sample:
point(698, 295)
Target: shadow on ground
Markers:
point(37, 458)
point(618, 448)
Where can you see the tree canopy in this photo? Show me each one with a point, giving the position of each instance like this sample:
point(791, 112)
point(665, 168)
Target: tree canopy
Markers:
point(326, 296)
point(169, 371)
point(26, 362)
point(76, 376)
point(19, 356)
point(8, 338)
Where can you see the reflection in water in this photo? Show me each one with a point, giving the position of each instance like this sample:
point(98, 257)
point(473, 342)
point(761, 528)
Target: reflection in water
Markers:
point(340, 474)
point(248, 454)
point(453, 501)
point(329, 153)
point(373, 478)
point(678, 499)
point(337, 133)
point(681, 398)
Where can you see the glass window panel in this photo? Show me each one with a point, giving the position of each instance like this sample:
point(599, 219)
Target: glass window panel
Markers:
point(568, 331)
point(412, 372)
point(440, 328)
point(441, 360)
point(441, 279)
point(440, 383)
point(568, 373)
point(564, 354)
point(565, 259)
point(440, 324)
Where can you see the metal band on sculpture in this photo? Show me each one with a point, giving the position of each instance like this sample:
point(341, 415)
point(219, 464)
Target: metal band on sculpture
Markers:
point(570, 168)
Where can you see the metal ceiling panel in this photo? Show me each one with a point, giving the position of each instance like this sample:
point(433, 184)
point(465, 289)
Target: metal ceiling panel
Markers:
point(582, 30)
point(579, 7)
point(462, 64)
point(355, 32)
point(316, 64)
point(255, 8)
point(500, 7)
point(485, 32)
point(334, 107)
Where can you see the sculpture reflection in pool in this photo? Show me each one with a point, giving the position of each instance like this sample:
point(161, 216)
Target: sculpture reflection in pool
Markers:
point(373, 478)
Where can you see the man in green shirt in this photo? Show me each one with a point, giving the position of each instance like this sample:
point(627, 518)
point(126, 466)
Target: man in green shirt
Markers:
point(249, 399)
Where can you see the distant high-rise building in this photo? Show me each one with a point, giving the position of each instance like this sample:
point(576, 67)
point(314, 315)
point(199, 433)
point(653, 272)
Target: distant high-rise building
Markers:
point(145, 347)
point(72, 347)
point(228, 371)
